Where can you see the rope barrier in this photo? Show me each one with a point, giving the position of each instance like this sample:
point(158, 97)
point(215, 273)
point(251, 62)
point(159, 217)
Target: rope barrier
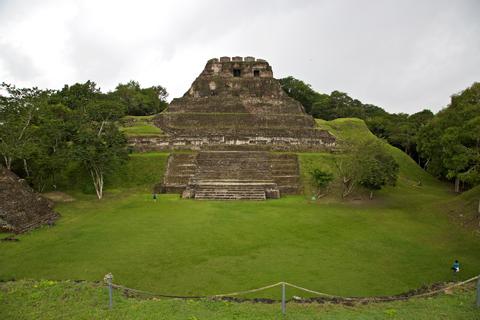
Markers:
point(315, 292)
point(321, 294)
point(247, 291)
point(458, 284)
point(116, 286)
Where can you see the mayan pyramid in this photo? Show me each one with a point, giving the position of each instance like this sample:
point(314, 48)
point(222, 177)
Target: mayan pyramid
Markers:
point(235, 103)
point(232, 118)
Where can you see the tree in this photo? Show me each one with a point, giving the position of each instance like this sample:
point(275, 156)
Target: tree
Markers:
point(53, 144)
point(18, 110)
point(368, 165)
point(300, 91)
point(100, 151)
point(347, 168)
point(377, 167)
point(400, 130)
point(451, 140)
point(99, 145)
point(104, 110)
point(320, 180)
point(77, 96)
point(472, 173)
point(47, 130)
point(141, 101)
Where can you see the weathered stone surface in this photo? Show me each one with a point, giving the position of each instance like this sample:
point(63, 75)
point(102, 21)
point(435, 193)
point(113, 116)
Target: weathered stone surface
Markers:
point(231, 175)
point(21, 209)
point(238, 141)
point(236, 103)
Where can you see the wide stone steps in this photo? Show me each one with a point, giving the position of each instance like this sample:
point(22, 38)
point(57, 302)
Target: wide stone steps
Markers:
point(180, 168)
point(230, 175)
point(223, 193)
point(232, 189)
point(229, 196)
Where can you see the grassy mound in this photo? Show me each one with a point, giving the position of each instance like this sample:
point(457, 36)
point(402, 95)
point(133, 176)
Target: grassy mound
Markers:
point(69, 300)
point(139, 126)
point(411, 177)
point(464, 209)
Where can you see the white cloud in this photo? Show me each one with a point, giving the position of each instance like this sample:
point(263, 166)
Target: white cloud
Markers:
point(403, 56)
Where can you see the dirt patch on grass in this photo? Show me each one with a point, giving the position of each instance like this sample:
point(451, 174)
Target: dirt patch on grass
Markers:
point(57, 196)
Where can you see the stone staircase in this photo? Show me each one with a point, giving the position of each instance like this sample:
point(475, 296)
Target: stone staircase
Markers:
point(231, 190)
point(180, 168)
point(232, 175)
point(285, 171)
point(232, 165)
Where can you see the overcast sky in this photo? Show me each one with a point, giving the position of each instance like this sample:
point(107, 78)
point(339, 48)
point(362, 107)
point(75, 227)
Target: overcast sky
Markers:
point(401, 55)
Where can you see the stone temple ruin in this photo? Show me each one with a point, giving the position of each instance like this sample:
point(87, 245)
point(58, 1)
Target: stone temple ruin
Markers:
point(232, 118)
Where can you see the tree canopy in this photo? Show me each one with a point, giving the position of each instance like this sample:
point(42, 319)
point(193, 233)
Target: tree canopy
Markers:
point(400, 130)
point(321, 180)
point(447, 144)
point(368, 165)
point(450, 143)
point(42, 131)
point(141, 101)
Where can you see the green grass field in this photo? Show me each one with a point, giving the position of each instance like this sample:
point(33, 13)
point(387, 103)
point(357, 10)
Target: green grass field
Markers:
point(139, 126)
point(401, 240)
point(68, 300)
point(189, 247)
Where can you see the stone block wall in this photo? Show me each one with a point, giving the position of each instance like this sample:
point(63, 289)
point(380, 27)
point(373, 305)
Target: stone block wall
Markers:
point(225, 122)
point(307, 140)
point(225, 65)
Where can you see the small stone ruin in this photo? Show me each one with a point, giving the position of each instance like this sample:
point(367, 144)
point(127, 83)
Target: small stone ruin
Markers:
point(21, 209)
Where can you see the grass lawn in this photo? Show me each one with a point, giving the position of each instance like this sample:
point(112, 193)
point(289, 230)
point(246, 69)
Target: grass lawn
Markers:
point(139, 126)
point(401, 240)
point(68, 300)
point(188, 247)
point(141, 129)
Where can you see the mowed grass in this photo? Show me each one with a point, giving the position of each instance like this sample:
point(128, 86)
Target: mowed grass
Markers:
point(187, 247)
point(142, 129)
point(399, 241)
point(68, 300)
point(139, 126)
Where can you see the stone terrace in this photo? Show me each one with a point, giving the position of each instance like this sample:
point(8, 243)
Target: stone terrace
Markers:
point(236, 102)
point(232, 175)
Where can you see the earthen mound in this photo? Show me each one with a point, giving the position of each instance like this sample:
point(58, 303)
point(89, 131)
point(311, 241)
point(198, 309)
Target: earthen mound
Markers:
point(21, 208)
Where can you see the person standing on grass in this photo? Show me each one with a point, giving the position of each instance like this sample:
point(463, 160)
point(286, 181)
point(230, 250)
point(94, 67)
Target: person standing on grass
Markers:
point(456, 266)
point(455, 269)
point(154, 197)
